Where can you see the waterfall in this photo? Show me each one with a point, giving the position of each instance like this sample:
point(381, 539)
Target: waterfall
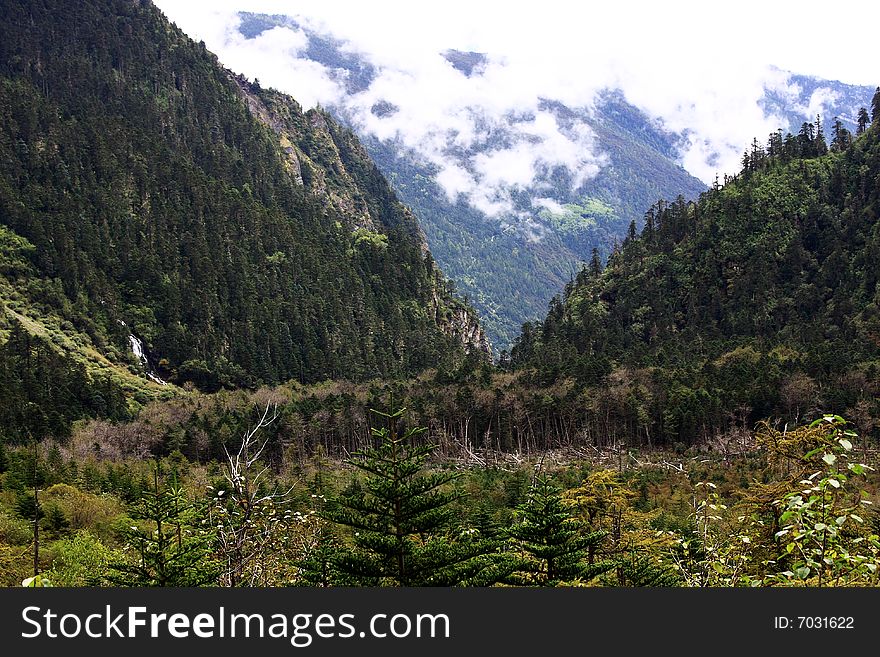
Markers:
point(140, 352)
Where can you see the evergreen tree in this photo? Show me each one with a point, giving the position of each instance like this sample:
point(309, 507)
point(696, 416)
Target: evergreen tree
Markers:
point(641, 570)
point(714, 302)
point(632, 232)
point(863, 120)
point(595, 263)
point(319, 567)
point(875, 106)
point(56, 522)
point(806, 140)
point(241, 273)
point(401, 517)
point(841, 137)
point(820, 147)
point(169, 547)
point(555, 547)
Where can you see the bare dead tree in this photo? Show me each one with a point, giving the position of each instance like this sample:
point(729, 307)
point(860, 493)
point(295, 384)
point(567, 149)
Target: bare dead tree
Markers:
point(250, 521)
point(239, 467)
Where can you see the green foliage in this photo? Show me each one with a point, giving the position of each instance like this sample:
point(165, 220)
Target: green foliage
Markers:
point(557, 548)
point(55, 522)
point(805, 527)
point(577, 218)
point(643, 570)
point(37, 581)
point(401, 516)
point(822, 524)
point(15, 530)
point(319, 565)
point(81, 511)
point(43, 391)
point(710, 555)
point(167, 545)
point(365, 237)
point(81, 560)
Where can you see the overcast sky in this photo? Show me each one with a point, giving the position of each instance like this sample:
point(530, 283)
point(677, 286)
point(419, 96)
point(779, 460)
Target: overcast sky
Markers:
point(696, 65)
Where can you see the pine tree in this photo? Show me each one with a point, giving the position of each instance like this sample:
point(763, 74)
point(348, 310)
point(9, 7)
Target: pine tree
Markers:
point(632, 232)
point(648, 232)
point(806, 140)
point(56, 522)
point(863, 120)
point(841, 137)
point(401, 517)
point(774, 146)
point(552, 541)
point(170, 548)
point(595, 263)
point(640, 570)
point(319, 568)
point(820, 146)
point(875, 106)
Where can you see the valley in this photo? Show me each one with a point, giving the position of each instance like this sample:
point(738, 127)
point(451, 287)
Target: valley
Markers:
point(241, 345)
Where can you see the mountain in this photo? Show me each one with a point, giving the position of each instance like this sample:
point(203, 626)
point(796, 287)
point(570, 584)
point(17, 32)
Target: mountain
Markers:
point(805, 97)
point(759, 300)
point(510, 264)
point(160, 215)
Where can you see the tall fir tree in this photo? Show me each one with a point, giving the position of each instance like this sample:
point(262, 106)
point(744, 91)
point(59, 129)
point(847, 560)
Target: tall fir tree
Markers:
point(401, 517)
point(554, 545)
point(595, 263)
point(841, 137)
point(863, 120)
point(169, 547)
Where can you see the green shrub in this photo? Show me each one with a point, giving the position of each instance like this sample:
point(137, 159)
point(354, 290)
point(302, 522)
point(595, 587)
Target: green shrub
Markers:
point(80, 560)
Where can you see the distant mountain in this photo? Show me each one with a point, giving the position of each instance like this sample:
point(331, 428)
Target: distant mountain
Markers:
point(808, 96)
point(510, 265)
point(160, 215)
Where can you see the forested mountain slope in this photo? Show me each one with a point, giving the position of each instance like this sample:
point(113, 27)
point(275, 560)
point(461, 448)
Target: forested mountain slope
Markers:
point(759, 300)
point(151, 200)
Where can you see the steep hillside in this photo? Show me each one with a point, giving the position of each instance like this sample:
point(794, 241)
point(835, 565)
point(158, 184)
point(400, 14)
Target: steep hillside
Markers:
point(759, 300)
point(162, 216)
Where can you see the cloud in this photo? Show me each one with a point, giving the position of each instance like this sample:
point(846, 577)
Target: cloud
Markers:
point(698, 69)
point(819, 99)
